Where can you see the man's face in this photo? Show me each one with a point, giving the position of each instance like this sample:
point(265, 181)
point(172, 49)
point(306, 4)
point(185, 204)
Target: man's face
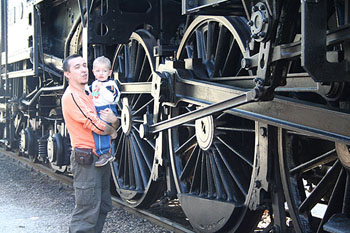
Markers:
point(78, 73)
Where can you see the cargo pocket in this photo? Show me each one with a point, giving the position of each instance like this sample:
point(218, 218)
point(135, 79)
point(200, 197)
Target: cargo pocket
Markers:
point(85, 193)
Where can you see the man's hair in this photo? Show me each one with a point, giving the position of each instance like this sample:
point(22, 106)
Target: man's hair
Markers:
point(65, 64)
point(103, 61)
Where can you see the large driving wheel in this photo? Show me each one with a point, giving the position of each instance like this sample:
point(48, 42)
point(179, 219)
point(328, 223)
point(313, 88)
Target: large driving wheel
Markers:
point(134, 157)
point(213, 157)
point(314, 175)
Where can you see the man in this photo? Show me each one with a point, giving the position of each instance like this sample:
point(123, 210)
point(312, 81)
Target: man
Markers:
point(91, 184)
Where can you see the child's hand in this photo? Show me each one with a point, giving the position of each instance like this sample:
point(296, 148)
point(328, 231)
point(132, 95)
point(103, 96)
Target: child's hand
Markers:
point(108, 116)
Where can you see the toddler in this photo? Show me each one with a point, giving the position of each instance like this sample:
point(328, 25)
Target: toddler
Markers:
point(105, 94)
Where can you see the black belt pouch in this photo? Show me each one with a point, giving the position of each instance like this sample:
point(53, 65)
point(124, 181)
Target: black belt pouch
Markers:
point(83, 156)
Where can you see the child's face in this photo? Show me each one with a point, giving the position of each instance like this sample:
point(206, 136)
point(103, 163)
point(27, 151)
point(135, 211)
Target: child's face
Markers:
point(101, 72)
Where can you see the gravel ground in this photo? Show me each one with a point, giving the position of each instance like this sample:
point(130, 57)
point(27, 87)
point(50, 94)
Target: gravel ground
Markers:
point(33, 202)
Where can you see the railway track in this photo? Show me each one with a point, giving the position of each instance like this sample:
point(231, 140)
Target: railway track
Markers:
point(174, 221)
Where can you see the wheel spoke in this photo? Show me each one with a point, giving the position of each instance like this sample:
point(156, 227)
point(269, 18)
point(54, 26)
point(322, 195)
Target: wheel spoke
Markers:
point(317, 161)
point(122, 161)
point(136, 174)
point(321, 189)
point(186, 145)
point(196, 174)
point(119, 144)
point(126, 62)
point(221, 52)
point(140, 166)
point(189, 51)
point(210, 178)
point(231, 58)
point(142, 107)
point(133, 48)
point(218, 184)
point(120, 69)
point(131, 171)
point(236, 177)
point(203, 177)
point(190, 163)
point(200, 45)
point(211, 40)
point(250, 163)
point(137, 120)
point(140, 60)
point(146, 71)
point(226, 181)
point(134, 102)
point(143, 150)
point(126, 165)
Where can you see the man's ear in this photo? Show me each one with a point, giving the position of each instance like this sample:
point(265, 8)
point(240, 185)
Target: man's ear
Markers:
point(66, 74)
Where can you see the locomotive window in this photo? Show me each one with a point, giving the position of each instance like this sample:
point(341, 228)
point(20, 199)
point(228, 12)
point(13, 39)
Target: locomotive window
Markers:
point(14, 15)
point(30, 41)
point(21, 10)
point(30, 19)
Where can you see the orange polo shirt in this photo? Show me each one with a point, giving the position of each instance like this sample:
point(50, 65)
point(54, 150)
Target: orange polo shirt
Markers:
point(81, 118)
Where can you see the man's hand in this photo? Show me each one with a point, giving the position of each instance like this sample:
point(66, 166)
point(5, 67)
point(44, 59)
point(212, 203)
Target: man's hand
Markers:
point(114, 135)
point(109, 130)
point(108, 116)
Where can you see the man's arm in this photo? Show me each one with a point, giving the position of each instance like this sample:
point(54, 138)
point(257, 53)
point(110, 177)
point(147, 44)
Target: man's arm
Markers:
point(109, 130)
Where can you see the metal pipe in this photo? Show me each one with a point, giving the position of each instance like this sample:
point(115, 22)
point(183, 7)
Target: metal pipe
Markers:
point(43, 89)
point(70, 35)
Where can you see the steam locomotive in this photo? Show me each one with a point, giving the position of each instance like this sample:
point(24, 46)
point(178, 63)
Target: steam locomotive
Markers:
point(232, 107)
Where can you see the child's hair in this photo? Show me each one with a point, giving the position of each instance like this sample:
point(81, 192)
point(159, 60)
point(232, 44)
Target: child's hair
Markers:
point(103, 61)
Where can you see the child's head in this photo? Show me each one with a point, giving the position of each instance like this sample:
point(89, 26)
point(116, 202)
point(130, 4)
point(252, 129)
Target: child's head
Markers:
point(102, 68)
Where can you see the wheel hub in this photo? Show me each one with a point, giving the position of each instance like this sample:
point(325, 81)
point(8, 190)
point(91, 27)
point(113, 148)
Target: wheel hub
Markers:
point(205, 132)
point(259, 22)
point(22, 143)
point(50, 150)
point(343, 152)
point(126, 117)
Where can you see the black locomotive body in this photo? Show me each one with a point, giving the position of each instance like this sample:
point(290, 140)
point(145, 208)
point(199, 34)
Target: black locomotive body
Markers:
point(233, 107)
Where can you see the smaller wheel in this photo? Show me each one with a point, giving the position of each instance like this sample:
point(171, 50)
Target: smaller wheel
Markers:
point(55, 152)
point(28, 144)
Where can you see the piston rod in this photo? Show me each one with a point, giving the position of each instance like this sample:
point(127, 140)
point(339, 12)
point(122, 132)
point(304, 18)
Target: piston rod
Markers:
point(147, 130)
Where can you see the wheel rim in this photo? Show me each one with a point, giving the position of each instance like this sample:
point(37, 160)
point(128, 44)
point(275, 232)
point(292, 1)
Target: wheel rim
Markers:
point(218, 44)
point(313, 180)
point(133, 166)
point(55, 151)
point(213, 172)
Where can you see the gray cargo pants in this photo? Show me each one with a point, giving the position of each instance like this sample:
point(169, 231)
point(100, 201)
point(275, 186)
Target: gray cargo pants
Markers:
point(92, 197)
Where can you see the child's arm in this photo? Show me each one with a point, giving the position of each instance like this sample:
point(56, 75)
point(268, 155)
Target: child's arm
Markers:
point(113, 88)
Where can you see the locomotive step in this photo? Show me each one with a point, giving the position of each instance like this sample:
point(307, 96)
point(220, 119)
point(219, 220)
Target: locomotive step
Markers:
point(338, 223)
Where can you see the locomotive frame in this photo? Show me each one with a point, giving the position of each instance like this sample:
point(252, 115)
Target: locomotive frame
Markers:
point(233, 107)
